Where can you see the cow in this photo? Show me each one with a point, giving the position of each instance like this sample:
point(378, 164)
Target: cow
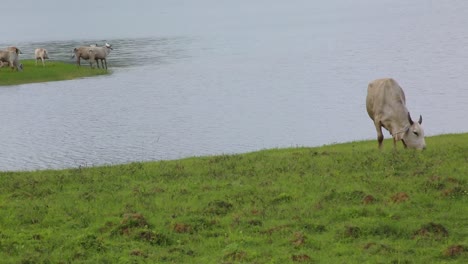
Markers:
point(97, 53)
point(93, 53)
point(41, 54)
point(10, 58)
point(386, 106)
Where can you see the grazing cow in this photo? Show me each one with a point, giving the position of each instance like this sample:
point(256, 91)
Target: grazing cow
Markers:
point(41, 54)
point(386, 106)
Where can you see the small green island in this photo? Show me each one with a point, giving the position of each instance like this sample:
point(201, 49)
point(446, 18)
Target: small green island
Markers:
point(53, 71)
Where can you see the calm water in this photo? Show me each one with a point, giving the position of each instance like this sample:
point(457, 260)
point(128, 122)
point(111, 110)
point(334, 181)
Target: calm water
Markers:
point(293, 75)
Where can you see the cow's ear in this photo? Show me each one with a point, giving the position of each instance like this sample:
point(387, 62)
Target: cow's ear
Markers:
point(409, 119)
point(420, 119)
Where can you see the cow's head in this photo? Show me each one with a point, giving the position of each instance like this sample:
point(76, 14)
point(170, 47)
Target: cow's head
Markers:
point(414, 136)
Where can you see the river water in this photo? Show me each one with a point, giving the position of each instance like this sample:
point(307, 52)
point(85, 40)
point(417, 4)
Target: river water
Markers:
point(288, 75)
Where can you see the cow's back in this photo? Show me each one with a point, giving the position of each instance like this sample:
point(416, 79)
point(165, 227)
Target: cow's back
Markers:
point(82, 52)
point(384, 96)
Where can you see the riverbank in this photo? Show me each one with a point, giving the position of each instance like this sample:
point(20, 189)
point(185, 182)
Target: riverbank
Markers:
point(334, 204)
point(53, 71)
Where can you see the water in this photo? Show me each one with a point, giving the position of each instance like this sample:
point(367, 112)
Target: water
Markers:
point(287, 75)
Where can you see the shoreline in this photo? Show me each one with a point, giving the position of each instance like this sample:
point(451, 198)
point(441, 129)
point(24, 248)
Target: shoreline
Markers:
point(366, 143)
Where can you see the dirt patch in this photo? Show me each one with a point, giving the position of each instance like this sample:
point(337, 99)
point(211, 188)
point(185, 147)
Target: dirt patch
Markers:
point(454, 192)
point(130, 222)
point(318, 206)
point(255, 222)
point(218, 207)
point(299, 239)
point(453, 180)
point(182, 228)
point(352, 231)
point(256, 212)
point(369, 245)
point(134, 220)
point(368, 199)
point(275, 229)
point(376, 248)
point(455, 250)
point(432, 230)
point(301, 258)
point(153, 238)
point(236, 256)
point(138, 253)
point(400, 197)
point(108, 226)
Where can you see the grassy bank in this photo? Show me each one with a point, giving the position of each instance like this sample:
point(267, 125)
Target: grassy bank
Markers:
point(345, 203)
point(53, 71)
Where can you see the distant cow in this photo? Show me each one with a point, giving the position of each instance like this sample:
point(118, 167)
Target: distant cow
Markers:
point(97, 53)
point(386, 106)
point(93, 53)
point(10, 58)
point(81, 53)
point(41, 54)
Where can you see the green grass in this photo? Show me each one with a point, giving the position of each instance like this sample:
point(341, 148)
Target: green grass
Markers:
point(345, 203)
point(53, 71)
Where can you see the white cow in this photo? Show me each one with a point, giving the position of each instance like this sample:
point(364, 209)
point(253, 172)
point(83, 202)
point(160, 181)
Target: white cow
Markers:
point(386, 106)
point(10, 58)
point(41, 54)
point(97, 53)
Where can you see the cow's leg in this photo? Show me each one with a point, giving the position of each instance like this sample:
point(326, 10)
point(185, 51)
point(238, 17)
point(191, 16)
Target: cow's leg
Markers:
point(13, 65)
point(380, 137)
point(43, 63)
point(404, 144)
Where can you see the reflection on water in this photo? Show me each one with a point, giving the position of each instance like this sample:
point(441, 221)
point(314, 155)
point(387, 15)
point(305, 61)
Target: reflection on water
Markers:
point(297, 80)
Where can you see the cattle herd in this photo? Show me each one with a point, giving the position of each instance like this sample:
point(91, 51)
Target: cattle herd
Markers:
point(385, 101)
point(9, 57)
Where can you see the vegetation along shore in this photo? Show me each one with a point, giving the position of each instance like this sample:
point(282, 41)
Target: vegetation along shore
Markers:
point(343, 203)
point(53, 71)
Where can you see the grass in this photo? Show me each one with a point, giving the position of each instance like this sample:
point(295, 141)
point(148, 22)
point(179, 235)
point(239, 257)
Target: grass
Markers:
point(344, 203)
point(53, 71)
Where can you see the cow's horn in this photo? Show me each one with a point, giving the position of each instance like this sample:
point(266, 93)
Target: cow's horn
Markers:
point(420, 119)
point(409, 119)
